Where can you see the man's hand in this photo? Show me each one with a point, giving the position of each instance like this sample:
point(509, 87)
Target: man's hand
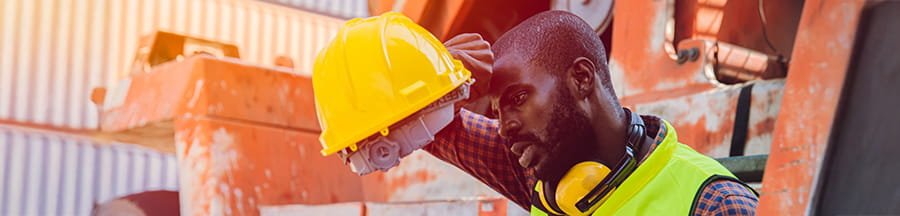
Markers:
point(475, 54)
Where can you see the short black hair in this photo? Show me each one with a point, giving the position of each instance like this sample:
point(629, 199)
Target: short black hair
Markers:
point(553, 40)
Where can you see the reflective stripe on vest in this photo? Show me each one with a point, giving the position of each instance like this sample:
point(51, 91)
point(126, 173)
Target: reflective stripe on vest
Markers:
point(666, 183)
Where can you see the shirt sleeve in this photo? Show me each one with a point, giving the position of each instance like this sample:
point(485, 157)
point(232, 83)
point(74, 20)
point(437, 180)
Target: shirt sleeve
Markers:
point(726, 197)
point(473, 144)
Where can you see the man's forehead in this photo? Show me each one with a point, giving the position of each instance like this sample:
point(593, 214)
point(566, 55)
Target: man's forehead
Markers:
point(507, 70)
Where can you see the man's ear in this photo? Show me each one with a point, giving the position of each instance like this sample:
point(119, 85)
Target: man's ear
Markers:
point(582, 75)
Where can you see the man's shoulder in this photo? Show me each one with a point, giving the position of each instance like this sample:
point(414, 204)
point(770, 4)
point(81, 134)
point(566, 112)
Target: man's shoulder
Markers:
point(728, 187)
point(726, 197)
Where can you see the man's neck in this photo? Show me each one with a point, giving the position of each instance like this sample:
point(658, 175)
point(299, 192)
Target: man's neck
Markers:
point(610, 129)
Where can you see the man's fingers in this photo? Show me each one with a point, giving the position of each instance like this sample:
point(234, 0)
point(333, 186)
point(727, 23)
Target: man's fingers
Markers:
point(473, 45)
point(475, 54)
point(474, 64)
point(481, 70)
point(484, 55)
point(463, 38)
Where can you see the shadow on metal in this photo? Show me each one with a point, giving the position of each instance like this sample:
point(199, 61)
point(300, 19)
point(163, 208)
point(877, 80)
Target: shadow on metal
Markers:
point(859, 173)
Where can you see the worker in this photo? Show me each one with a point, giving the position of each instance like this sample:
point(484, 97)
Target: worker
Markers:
point(563, 144)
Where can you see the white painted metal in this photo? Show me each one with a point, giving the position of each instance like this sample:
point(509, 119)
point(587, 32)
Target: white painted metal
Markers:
point(48, 173)
point(54, 52)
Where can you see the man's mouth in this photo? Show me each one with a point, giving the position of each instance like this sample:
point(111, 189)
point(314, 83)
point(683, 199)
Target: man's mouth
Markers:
point(529, 153)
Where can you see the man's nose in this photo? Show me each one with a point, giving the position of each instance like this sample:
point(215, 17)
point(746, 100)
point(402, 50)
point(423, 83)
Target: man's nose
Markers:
point(509, 128)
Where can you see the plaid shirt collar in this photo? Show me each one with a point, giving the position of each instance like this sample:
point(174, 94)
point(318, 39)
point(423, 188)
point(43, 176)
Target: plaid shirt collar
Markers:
point(656, 130)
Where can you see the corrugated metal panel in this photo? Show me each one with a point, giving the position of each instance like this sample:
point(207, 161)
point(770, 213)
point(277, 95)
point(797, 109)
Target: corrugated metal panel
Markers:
point(45, 173)
point(338, 8)
point(53, 52)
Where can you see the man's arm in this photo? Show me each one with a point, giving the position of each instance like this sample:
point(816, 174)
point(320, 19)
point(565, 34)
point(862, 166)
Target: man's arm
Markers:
point(471, 143)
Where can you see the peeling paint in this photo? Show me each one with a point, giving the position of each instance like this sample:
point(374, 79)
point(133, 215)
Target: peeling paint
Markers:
point(198, 86)
point(216, 206)
point(420, 176)
point(705, 120)
point(222, 153)
point(814, 81)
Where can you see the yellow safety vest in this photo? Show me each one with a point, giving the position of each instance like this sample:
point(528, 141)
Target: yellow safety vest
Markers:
point(666, 183)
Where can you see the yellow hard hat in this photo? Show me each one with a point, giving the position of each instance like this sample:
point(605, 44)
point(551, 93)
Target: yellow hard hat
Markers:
point(376, 72)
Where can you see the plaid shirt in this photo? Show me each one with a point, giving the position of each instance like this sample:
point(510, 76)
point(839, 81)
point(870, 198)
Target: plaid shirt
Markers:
point(473, 144)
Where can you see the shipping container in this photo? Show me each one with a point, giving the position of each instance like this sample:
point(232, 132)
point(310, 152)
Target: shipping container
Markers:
point(49, 173)
point(54, 52)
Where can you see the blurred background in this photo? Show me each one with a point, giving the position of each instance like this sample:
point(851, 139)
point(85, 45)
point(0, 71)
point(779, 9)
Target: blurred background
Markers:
point(205, 107)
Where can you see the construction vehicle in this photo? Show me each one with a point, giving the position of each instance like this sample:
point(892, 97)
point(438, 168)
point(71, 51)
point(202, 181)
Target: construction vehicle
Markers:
point(794, 96)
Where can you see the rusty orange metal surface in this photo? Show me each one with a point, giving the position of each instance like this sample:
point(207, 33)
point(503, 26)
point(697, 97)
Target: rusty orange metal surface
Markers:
point(736, 64)
point(244, 135)
point(645, 63)
point(206, 86)
point(230, 167)
point(738, 22)
point(162, 47)
point(419, 177)
point(247, 136)
point(821, 57)
point(705, 121)
point(648, 77)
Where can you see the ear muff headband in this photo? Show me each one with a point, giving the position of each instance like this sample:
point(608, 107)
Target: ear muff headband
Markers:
point(624, 168)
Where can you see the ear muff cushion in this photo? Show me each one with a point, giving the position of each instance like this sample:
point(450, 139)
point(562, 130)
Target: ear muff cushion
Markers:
point(542, 202)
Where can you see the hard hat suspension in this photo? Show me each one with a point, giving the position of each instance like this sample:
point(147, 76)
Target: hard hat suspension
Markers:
point(380, 152)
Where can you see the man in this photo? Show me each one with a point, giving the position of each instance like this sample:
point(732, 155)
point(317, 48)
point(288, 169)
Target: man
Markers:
point(557, 108)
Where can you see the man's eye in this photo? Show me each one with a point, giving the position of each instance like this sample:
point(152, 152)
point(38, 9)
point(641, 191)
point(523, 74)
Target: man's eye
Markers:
point(519, 98)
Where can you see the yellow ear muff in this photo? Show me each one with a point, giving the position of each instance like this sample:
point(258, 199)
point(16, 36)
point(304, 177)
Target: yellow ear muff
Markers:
point(587, 185)
point(539, 187)
point(577, 183)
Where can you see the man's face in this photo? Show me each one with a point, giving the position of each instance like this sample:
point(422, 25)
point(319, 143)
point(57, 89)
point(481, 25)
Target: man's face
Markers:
point(538, 114)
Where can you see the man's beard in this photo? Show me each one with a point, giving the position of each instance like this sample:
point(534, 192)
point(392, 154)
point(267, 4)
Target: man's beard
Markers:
point(572, 137)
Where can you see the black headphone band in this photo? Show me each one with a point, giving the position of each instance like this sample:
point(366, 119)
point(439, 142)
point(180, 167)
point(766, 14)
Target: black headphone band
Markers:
point(626, 165)
point(623, 169)
point(636, 129)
